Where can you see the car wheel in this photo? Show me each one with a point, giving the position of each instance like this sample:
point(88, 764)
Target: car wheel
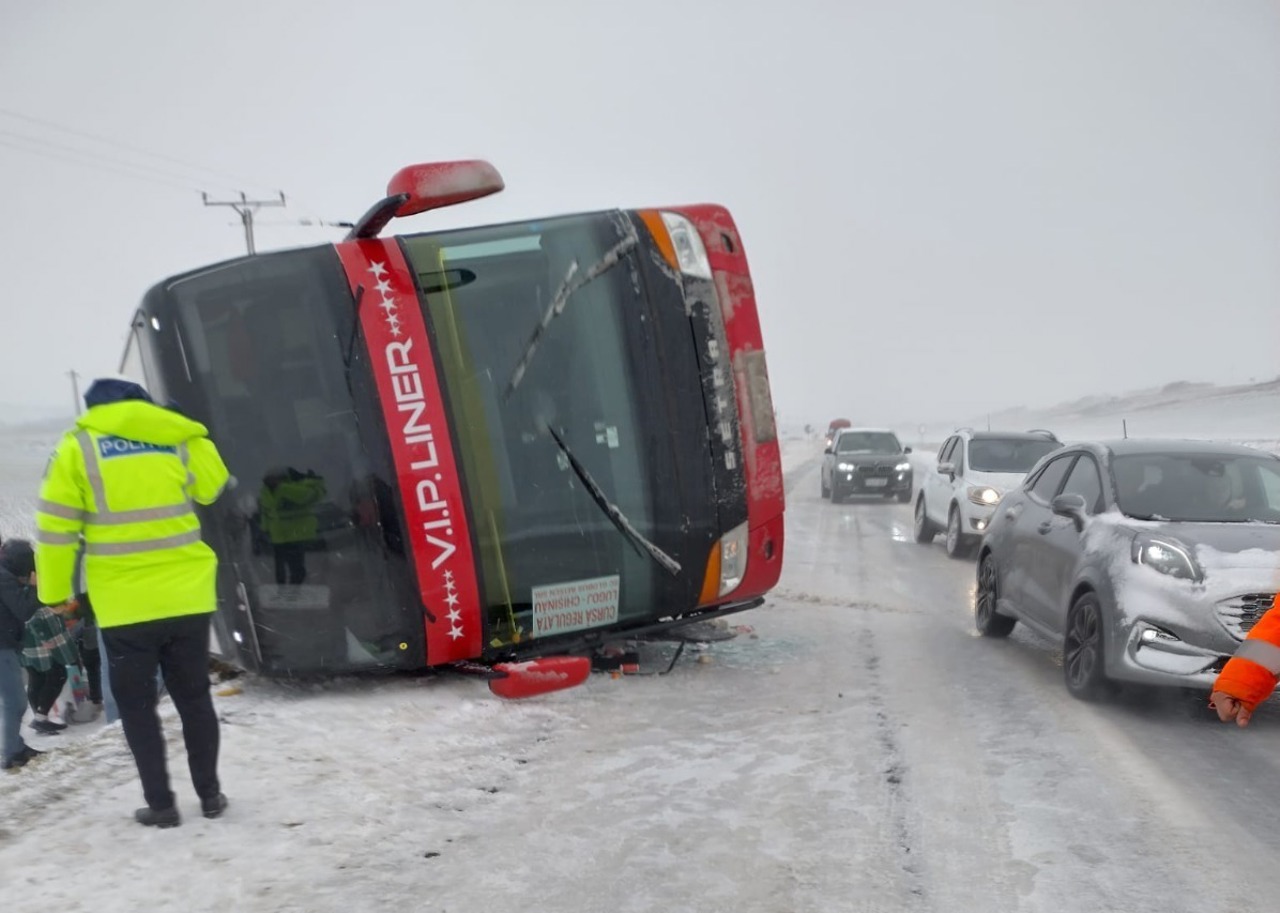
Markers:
point(957, 542)
point(988, 622)
point(924, 529)
point(836, 496)
point(1083, 654)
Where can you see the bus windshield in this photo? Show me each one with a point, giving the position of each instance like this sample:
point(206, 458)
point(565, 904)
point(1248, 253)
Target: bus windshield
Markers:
point(574, 454)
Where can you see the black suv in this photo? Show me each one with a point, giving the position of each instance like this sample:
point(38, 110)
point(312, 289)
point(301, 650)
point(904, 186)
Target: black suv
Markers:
point(866, 461)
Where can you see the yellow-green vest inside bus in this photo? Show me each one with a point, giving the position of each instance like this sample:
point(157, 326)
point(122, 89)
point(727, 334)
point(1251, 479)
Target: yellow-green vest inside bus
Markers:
point(123, 483)
point(289, 508)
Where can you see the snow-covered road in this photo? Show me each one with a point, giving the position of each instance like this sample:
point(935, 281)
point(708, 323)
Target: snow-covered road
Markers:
point(864, 750)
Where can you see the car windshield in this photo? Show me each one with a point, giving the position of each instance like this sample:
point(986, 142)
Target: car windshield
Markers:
point(1223, 488)
point(1008, 454)
point(868, 442)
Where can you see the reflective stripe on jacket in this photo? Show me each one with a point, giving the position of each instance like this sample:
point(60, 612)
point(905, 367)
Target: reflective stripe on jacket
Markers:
point(1251, 674)
point(125, 480)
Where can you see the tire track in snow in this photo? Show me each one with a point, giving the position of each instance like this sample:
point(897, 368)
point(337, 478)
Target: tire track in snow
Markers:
point(895, 771)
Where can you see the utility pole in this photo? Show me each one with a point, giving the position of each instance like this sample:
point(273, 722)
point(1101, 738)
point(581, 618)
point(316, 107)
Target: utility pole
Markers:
point(245, 208)
point(75, 392)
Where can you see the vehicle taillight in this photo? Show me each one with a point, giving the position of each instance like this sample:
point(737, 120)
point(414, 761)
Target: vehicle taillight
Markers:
point(759, 398)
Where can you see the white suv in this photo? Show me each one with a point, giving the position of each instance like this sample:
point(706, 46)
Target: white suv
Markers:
point(975, 469)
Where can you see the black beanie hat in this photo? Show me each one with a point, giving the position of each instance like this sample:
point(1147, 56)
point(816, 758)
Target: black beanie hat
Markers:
point(17, 557)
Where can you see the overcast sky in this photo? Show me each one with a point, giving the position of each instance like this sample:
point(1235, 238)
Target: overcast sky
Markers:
point(949, 207)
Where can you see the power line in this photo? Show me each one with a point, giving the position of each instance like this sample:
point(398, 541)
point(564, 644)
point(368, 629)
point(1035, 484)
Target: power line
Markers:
point(95, 157)
point(89, 162)
point(193, 166)
point(139, 170)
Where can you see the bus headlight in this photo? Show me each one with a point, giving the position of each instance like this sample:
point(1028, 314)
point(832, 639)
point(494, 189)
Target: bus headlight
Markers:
point(726, 566)
point(733, 559)
point(690, 253)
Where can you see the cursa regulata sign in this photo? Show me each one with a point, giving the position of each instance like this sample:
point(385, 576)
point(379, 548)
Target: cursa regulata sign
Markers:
point(426, 467)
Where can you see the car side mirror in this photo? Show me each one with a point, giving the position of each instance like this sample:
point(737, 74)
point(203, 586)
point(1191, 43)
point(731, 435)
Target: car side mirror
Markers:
point(947, 469)
point(906, 449)
point(830, 450)
point(1072, 507)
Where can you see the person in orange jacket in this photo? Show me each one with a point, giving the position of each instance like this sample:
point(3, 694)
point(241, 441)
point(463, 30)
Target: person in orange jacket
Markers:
point(1251, 674)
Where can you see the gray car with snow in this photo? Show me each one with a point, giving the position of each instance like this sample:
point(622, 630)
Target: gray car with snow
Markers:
point(1147, 560)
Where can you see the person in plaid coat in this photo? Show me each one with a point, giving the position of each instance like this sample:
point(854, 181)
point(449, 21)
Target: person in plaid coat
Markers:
point(48, 647)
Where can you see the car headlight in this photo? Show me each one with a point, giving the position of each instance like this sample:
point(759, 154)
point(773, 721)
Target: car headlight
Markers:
point(902, 467)
point(845, 467)
point(1167, 557)
point(984, 496)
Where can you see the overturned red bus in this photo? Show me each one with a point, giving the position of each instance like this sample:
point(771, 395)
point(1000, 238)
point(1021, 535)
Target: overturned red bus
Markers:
point(476, 446)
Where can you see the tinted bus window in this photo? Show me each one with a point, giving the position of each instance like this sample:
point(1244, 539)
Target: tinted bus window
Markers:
point(312, 523)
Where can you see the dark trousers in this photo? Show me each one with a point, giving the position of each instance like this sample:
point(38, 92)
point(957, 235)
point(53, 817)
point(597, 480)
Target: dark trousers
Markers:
point(180, 647)
point(92, 662)
point(43, 688)
point(291, 563)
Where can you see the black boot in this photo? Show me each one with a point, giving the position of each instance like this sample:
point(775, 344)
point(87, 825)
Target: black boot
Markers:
point(158, 817)
point(213, 807)
point(21, 759)
point(48, 727)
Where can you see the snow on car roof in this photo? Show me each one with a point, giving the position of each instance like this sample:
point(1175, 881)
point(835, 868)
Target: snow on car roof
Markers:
point(1122, 447)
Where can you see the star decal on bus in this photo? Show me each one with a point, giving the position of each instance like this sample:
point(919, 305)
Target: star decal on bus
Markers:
point(451, 597)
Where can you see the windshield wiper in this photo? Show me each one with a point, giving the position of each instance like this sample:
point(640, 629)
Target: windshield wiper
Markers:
point(355, 334)
point(642, 545)
point(572, 282)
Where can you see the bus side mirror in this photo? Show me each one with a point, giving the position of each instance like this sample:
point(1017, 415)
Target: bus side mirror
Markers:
point(419, 188)
point(437, 184)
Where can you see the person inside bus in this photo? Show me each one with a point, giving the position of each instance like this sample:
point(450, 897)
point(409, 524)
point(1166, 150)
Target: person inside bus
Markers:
point(289, 515)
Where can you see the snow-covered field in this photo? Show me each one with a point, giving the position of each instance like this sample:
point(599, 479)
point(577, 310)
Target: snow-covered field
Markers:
point(1244, 414)
point(854, 748)
point(380, 793)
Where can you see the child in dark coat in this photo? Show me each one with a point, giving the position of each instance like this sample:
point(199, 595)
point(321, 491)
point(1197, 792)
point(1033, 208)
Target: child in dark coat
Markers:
point(18, 604)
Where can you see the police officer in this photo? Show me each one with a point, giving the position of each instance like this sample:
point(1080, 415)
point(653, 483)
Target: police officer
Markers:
point(126, 479)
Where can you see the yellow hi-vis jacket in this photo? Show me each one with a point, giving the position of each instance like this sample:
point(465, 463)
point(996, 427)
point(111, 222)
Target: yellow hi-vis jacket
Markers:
point(124, 479)
point(289, 510)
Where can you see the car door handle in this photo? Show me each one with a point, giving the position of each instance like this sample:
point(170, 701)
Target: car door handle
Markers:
point(1045, 528)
